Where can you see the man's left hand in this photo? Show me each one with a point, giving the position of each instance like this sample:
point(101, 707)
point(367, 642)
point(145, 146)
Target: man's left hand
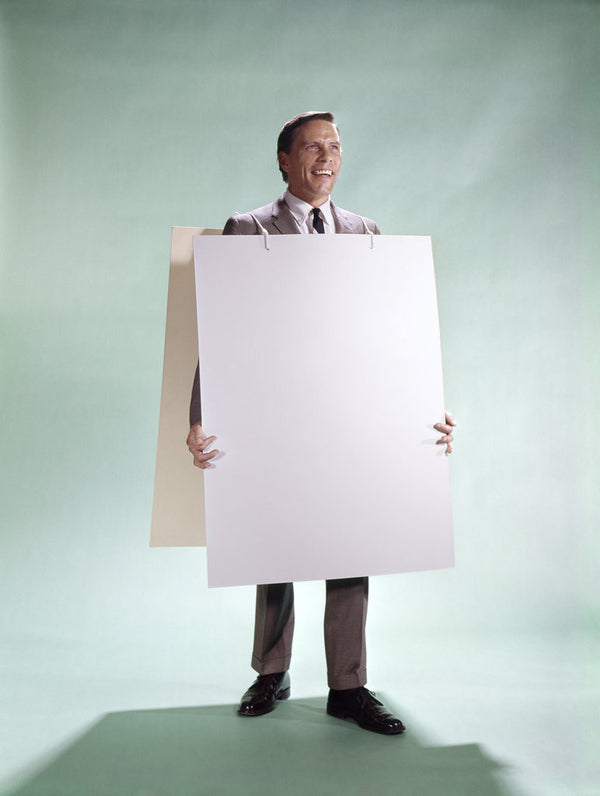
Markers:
point(446, 430)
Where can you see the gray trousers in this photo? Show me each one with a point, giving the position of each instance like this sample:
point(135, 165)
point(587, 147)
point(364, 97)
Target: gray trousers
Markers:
point(345, 620)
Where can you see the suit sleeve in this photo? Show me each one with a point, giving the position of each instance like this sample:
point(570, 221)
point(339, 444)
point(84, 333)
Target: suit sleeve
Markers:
point(232, 227)
point(195, 405)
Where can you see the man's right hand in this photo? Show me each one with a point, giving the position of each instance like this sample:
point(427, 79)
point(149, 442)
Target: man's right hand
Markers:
point(197, 444)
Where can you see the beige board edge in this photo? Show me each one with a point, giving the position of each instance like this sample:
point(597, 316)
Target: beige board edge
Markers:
point(178, 504)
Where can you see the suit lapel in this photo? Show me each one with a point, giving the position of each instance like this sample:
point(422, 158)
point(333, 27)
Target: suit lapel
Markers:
point(282, 218)
point(344, 223)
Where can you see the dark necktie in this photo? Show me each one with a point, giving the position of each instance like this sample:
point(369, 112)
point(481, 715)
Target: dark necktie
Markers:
point(317, 221)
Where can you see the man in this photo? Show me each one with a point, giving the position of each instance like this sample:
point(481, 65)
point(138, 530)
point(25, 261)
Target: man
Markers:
point(310, 157)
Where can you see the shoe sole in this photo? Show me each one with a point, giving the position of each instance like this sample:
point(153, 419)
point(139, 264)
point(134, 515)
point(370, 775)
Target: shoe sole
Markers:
point(347, 717)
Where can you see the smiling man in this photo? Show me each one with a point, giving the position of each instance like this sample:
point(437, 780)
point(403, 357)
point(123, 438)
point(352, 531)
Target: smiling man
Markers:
point(310, 157)
point(309, 153)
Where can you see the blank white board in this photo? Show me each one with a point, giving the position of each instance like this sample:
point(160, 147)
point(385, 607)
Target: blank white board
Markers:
point(321, 376)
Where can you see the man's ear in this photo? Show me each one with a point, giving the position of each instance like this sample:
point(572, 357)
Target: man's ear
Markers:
point(283, 160)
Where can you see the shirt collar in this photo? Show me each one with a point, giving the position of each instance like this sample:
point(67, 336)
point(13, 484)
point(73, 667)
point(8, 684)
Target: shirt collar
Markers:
point(301, 210)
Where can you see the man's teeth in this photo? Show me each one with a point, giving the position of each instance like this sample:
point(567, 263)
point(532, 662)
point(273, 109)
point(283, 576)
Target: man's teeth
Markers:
point(323, 171)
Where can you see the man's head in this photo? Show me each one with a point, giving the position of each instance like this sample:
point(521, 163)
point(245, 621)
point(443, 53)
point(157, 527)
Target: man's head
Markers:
point(310, 156)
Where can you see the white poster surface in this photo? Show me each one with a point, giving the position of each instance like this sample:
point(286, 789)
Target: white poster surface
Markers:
point(321, 377)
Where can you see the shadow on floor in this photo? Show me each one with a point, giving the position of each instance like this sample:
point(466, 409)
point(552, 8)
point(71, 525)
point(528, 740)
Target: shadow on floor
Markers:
point(298, 749)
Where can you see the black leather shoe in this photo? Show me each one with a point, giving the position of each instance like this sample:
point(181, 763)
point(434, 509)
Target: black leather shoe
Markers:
point(360, 705)
point(263, 694)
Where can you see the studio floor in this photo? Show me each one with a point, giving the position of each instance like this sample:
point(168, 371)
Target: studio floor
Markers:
point(502, 716)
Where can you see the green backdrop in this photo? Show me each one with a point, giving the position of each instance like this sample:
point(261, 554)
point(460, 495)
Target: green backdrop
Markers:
point(475, 122)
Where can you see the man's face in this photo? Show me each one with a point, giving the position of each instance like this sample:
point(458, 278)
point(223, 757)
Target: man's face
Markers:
point(314, 161)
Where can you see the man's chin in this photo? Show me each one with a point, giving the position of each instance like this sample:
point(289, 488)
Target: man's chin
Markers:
point(323, 189)
point(314, 194)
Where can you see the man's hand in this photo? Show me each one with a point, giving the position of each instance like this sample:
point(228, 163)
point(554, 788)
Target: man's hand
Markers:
point(197, 444)
point(446, 430)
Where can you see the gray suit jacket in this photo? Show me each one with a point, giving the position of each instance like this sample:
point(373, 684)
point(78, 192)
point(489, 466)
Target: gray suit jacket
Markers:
point(277, 219)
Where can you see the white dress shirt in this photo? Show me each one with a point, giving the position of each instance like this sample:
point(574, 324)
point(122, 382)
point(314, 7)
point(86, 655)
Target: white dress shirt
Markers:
point(302, 213)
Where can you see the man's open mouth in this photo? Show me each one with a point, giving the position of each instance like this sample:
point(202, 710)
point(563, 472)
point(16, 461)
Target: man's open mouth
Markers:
point(326, 172)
